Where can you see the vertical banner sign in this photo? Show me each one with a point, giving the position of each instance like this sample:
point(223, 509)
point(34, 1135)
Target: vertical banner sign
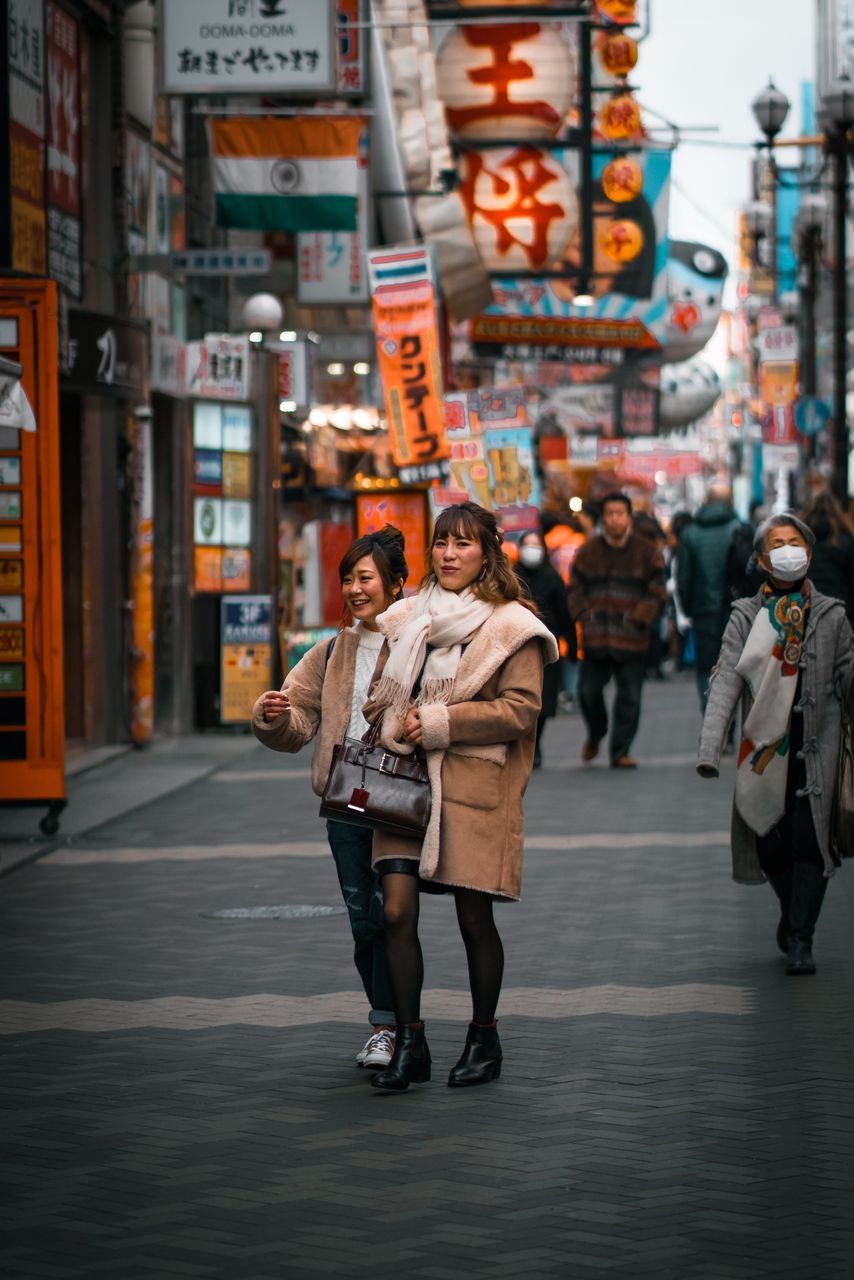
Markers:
point(246, 633)
point(142, 582)
point(408, 513)
point(25, 64)
point(403, 290)
point(63, 150)
point(492, 455)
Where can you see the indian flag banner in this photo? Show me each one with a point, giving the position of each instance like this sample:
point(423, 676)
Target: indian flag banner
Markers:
point(286, 175)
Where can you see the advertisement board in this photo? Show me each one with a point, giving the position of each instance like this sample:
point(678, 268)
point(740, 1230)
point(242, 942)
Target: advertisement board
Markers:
point(406, 512)
point(248, 46)
point(26, 88)
point(246, 638)
point(492, 455)
point(331, 265)
point(403, 288)
point(63, 150)
point(630, 308)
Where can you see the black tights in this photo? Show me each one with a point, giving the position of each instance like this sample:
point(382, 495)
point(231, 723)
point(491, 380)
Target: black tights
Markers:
point(484, 951)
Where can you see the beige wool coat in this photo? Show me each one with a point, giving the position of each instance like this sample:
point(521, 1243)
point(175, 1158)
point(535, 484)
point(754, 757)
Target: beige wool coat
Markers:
point(480, 751)
point(321, 696)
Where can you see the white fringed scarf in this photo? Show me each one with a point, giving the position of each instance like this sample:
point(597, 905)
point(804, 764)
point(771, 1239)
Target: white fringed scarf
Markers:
point(444, 621)
point(769, 667)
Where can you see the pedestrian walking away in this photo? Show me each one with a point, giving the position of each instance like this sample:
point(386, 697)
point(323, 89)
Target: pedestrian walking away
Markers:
point(702, 578)
point(546, 589)
point(462, 682)
point(322, 699)
point(616, 593)
point(788, 656)
point(832, 565)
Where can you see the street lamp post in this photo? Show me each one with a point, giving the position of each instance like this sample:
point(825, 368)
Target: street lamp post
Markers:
point(837, 108)
point(770, 108)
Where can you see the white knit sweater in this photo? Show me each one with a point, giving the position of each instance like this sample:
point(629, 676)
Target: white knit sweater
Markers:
point(370, 643)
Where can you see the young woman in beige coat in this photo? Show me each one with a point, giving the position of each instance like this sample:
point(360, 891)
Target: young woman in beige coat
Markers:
point(323, 697)
point(463, 681)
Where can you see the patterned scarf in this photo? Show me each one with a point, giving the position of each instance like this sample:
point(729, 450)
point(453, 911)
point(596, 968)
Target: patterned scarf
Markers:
point(769, 667)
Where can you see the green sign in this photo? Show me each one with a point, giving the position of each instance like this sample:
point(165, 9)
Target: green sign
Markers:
point(11, 677)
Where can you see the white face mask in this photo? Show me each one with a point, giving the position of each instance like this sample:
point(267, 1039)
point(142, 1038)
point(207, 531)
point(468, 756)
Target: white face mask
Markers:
point(789, 563)
point(531, 556)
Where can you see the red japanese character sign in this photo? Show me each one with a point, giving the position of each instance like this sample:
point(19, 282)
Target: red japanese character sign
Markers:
point(516, 78)
point(522, 207)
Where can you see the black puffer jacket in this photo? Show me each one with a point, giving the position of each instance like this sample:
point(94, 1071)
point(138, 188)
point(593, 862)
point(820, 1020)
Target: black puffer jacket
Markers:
point(832, 569)
point(703, 555)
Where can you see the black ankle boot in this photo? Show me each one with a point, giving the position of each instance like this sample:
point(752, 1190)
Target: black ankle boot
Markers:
point(410, 1063)
point(808, 889)
point(481, 1058)
point(782, 886)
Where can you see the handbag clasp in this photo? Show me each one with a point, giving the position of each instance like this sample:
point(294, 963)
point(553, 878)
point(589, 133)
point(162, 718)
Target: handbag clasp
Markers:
point(388, 768)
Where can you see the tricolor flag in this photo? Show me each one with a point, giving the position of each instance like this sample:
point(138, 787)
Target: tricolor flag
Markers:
point(286, 175)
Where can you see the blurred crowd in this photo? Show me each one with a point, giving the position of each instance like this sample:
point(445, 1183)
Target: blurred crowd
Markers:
point(701, 563)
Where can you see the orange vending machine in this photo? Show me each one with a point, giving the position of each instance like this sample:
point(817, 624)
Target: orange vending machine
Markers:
point(32, 729)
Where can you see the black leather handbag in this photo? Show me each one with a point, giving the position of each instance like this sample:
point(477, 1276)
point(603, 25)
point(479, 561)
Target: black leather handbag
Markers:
point(369, 786)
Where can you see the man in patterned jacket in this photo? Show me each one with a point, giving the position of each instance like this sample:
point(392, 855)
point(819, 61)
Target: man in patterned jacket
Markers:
point(616, 594)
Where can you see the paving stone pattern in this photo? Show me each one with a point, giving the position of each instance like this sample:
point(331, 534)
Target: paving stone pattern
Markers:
point(179, 1097)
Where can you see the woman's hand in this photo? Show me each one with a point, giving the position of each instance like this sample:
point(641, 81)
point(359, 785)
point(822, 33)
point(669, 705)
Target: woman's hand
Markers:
point(412, 730)
point(274, 704)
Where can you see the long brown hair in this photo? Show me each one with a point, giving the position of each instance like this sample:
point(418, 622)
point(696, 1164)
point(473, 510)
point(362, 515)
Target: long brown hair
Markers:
point(824, 515)
point(497, 583)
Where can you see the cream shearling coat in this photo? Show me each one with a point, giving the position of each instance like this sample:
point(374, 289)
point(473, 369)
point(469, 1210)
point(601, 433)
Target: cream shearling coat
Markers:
point(480, 751)
point(321, 697)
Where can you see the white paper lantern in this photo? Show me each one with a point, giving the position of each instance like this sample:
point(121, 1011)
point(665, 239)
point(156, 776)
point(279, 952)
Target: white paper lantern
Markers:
point(522, 207)
point(510, 80)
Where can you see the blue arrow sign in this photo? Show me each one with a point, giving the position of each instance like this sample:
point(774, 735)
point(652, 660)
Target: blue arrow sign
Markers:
point(811, 414)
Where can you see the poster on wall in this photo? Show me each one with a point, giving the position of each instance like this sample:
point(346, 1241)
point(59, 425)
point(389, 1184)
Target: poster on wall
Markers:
point(63, 151)
point(332, 265)
point(246, 661)
point(492, 454)
point(25, 46)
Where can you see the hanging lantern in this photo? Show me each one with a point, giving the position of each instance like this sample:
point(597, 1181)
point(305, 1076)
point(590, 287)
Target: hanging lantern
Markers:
point(623, 12)
point(622, 180)
point(618, 54)
point(515, 79)
point(621, 240)
point(620, 118)
point(522, 207)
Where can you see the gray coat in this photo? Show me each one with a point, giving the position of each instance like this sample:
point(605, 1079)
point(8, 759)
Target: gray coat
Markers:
point(827, 662)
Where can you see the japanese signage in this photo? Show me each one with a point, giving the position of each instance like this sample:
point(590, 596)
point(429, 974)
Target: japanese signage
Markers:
point(776, 344)
point(25, 61)
point(293, 373)
point(406, 327)
point(218, 367)
point(629, 309)
point(492, 455)
point(142, 579)
point(221, 262)
point(246, 632)
point(331, 265)
point(63, 150)
point(106, 355)
point(247, 46)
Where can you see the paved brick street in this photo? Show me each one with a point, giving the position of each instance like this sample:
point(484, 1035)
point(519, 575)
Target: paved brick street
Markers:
point(179, 1096)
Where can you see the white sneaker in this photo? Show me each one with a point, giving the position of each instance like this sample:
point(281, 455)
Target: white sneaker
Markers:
point(379, 1048)
point(365, 1050)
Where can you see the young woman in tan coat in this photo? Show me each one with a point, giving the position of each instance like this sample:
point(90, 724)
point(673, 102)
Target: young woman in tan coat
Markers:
point(462, 680)
point(322, 698)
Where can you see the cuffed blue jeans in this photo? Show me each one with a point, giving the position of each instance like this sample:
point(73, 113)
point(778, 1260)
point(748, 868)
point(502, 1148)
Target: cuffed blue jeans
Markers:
point(351, 849)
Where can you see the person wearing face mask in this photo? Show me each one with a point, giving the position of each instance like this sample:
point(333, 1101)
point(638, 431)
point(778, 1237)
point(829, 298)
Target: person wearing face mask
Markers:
point(546, 589)
point(788, 656)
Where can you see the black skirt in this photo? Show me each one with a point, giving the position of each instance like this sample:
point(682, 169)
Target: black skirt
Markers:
point(409, 867)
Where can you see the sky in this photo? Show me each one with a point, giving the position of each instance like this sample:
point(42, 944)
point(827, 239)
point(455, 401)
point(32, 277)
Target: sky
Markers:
point(705, 69)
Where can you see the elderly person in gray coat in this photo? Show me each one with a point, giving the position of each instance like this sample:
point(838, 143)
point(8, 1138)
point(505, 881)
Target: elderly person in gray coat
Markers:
point(788, 655)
